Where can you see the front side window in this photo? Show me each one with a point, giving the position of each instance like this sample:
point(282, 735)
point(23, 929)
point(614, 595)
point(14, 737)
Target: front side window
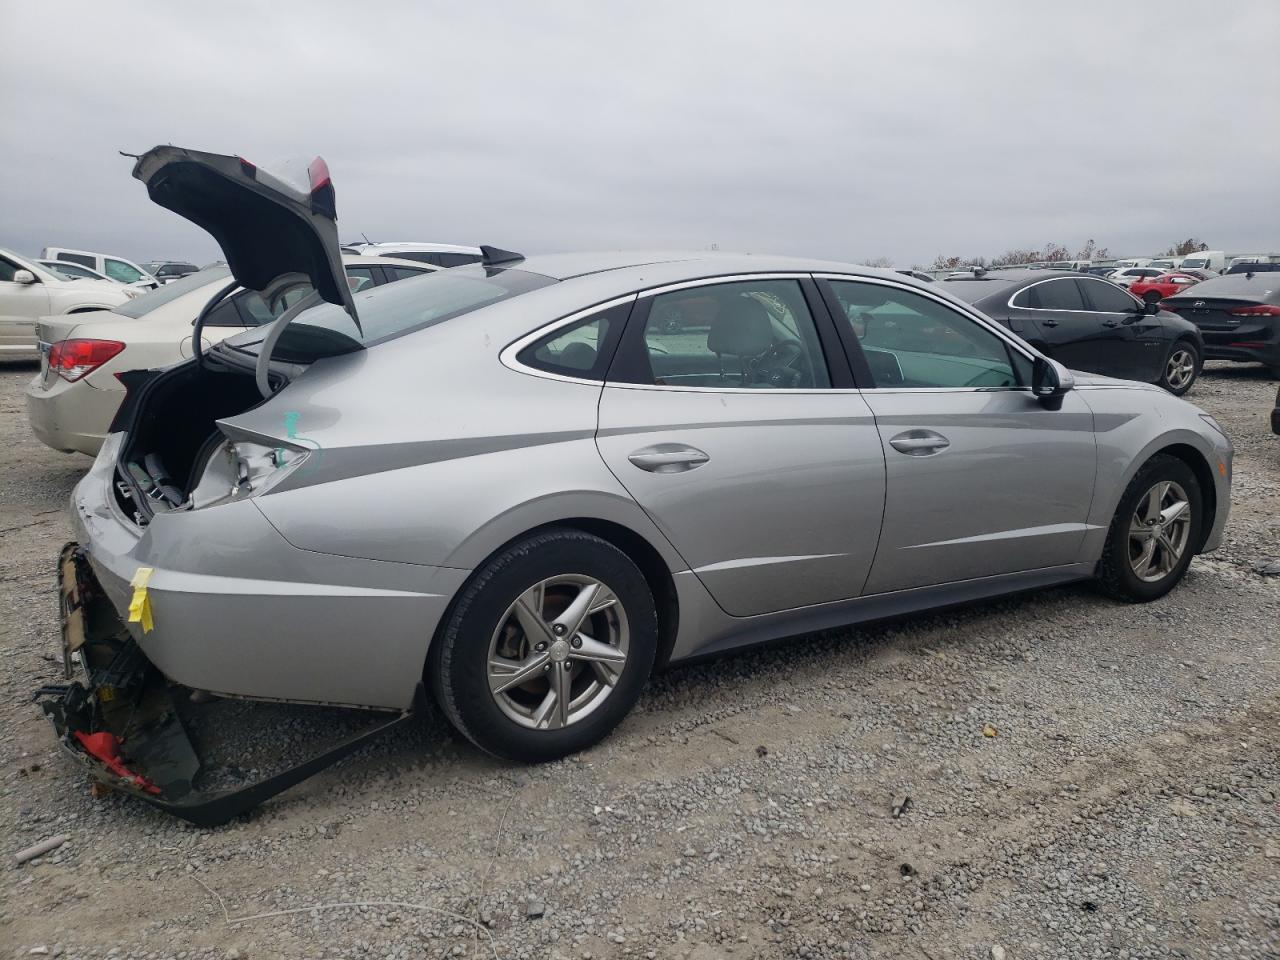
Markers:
point(1108, 298)
point(119, 270)
point(751, 334)
point(7, 269)
point(910, 340)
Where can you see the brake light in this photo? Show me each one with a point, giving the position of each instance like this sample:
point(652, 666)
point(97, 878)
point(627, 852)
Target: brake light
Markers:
point(75, 359)
point(1262, 310)
point(318, 172)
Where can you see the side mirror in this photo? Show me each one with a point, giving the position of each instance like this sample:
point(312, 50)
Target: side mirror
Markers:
point(1050, 382)
point(1150, 308)
point(23, 276)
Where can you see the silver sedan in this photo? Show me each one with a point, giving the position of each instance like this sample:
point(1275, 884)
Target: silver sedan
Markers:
point(528, 483)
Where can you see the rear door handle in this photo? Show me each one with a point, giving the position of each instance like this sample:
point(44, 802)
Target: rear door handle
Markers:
point(1111, 323)
point(668, 458)
point(919, 443)
point(1050, 322)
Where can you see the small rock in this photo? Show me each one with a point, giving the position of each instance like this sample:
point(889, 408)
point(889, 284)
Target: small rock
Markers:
point(534, 909)
point(998, 952)
point(762, 751)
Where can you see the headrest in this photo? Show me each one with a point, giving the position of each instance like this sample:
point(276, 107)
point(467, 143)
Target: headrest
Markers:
point(741, 328)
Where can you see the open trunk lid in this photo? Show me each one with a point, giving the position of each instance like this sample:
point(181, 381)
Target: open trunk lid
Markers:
point(270, 230)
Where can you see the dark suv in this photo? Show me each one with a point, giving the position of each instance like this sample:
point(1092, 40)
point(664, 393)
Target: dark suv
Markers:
point(1087, 323)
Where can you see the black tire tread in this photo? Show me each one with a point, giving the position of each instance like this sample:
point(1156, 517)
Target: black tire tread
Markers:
point(1109, 576)
point(445, 650)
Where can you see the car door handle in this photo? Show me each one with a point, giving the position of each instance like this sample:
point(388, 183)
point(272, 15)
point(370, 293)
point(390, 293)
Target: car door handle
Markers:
point(668, 458)
point(1111, 323)
point(919, 443)
point(1050, 322)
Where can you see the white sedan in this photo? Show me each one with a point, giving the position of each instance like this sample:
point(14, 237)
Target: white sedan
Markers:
point(74, 398)
point(29, 291)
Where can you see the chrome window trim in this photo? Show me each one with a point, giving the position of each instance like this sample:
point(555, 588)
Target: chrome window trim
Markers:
point(508, 356)
point(1118, 313)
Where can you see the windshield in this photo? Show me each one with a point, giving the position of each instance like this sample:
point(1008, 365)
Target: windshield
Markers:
point(1196, 262)
point(172, 291)
point(395, 309)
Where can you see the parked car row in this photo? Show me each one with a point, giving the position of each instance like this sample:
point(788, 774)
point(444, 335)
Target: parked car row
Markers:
point(516, 484)
point(29, 290)
point(75, 397)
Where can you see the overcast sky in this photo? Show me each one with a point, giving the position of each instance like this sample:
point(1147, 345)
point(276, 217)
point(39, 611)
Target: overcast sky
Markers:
point(903, 130)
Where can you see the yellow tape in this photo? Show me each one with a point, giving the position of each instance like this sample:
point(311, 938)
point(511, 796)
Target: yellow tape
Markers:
point(140, 605)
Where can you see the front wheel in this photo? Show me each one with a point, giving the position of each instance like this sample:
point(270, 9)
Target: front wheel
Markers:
point(1181, 368)
point(1154, 533)
point(547, 648)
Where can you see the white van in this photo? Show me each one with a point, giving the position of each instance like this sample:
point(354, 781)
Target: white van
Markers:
point(1131, 262)
point(117, 268)
point(1167, 263)
point(1215, 260)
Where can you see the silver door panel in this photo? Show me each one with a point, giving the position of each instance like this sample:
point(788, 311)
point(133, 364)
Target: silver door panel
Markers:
point(1010, 490)
point(784, 511)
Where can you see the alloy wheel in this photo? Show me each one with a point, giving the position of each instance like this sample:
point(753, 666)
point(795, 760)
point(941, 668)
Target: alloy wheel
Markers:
point(1180, 368)
point(1159, 531)
point(558, 651)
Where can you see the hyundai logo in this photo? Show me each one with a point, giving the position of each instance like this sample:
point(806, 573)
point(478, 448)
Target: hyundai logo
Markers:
point(1197, 305)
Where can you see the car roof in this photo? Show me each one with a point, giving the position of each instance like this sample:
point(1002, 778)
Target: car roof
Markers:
point(414, 246)
point(1264, 286)
point(972, 287)
point(679, 265)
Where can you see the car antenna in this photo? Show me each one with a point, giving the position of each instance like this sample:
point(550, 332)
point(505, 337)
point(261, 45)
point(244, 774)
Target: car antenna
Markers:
point(491, 256)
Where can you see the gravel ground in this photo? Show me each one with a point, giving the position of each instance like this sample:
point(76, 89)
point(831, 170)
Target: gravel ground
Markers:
point(1128, 804)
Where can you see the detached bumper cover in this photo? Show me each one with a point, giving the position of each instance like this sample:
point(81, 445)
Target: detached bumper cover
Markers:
point(122, 721)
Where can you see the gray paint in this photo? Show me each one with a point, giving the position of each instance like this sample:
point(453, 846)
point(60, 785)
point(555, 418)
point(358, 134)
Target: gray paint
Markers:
point(433, 453)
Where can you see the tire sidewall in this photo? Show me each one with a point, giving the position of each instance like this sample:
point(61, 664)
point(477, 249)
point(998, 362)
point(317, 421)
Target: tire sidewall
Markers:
point(462, 666)
point(1158, 468)
point(1199, 363)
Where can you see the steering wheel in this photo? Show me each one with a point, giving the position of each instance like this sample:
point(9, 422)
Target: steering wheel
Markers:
point(784, 365)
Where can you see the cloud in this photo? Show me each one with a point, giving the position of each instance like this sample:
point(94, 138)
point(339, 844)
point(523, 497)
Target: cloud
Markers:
point(838, 130)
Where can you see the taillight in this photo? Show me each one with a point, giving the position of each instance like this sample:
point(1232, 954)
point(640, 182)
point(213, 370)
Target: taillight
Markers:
point(1262, 310)
point(74, 359)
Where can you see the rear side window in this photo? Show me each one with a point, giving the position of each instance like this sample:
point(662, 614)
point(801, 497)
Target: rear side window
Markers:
point(749, 334)
point(77, 258)
point(1053, 295)
point(457, 259)
point(582, 349)
point(402, 273)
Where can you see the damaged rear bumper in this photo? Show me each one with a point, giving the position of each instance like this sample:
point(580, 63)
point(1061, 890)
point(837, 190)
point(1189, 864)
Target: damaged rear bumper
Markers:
point(122, 721)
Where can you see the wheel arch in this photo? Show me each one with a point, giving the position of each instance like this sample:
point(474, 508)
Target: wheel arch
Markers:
point(1199, 466)
point(638, 548)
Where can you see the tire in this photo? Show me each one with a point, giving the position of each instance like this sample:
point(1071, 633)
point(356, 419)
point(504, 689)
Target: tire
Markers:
point(1152, 296)
point(1181, 368)
point(488, 639)
point(1119, 571)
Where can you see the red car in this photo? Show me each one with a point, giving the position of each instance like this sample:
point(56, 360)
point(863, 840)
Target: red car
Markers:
point(1165, 285)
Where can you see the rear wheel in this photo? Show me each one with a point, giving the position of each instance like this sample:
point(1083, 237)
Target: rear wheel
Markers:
point(548, 647)
point(1181, 368)
point(1154, 532)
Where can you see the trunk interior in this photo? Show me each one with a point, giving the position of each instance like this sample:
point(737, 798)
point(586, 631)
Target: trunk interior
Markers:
point(172, 434)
